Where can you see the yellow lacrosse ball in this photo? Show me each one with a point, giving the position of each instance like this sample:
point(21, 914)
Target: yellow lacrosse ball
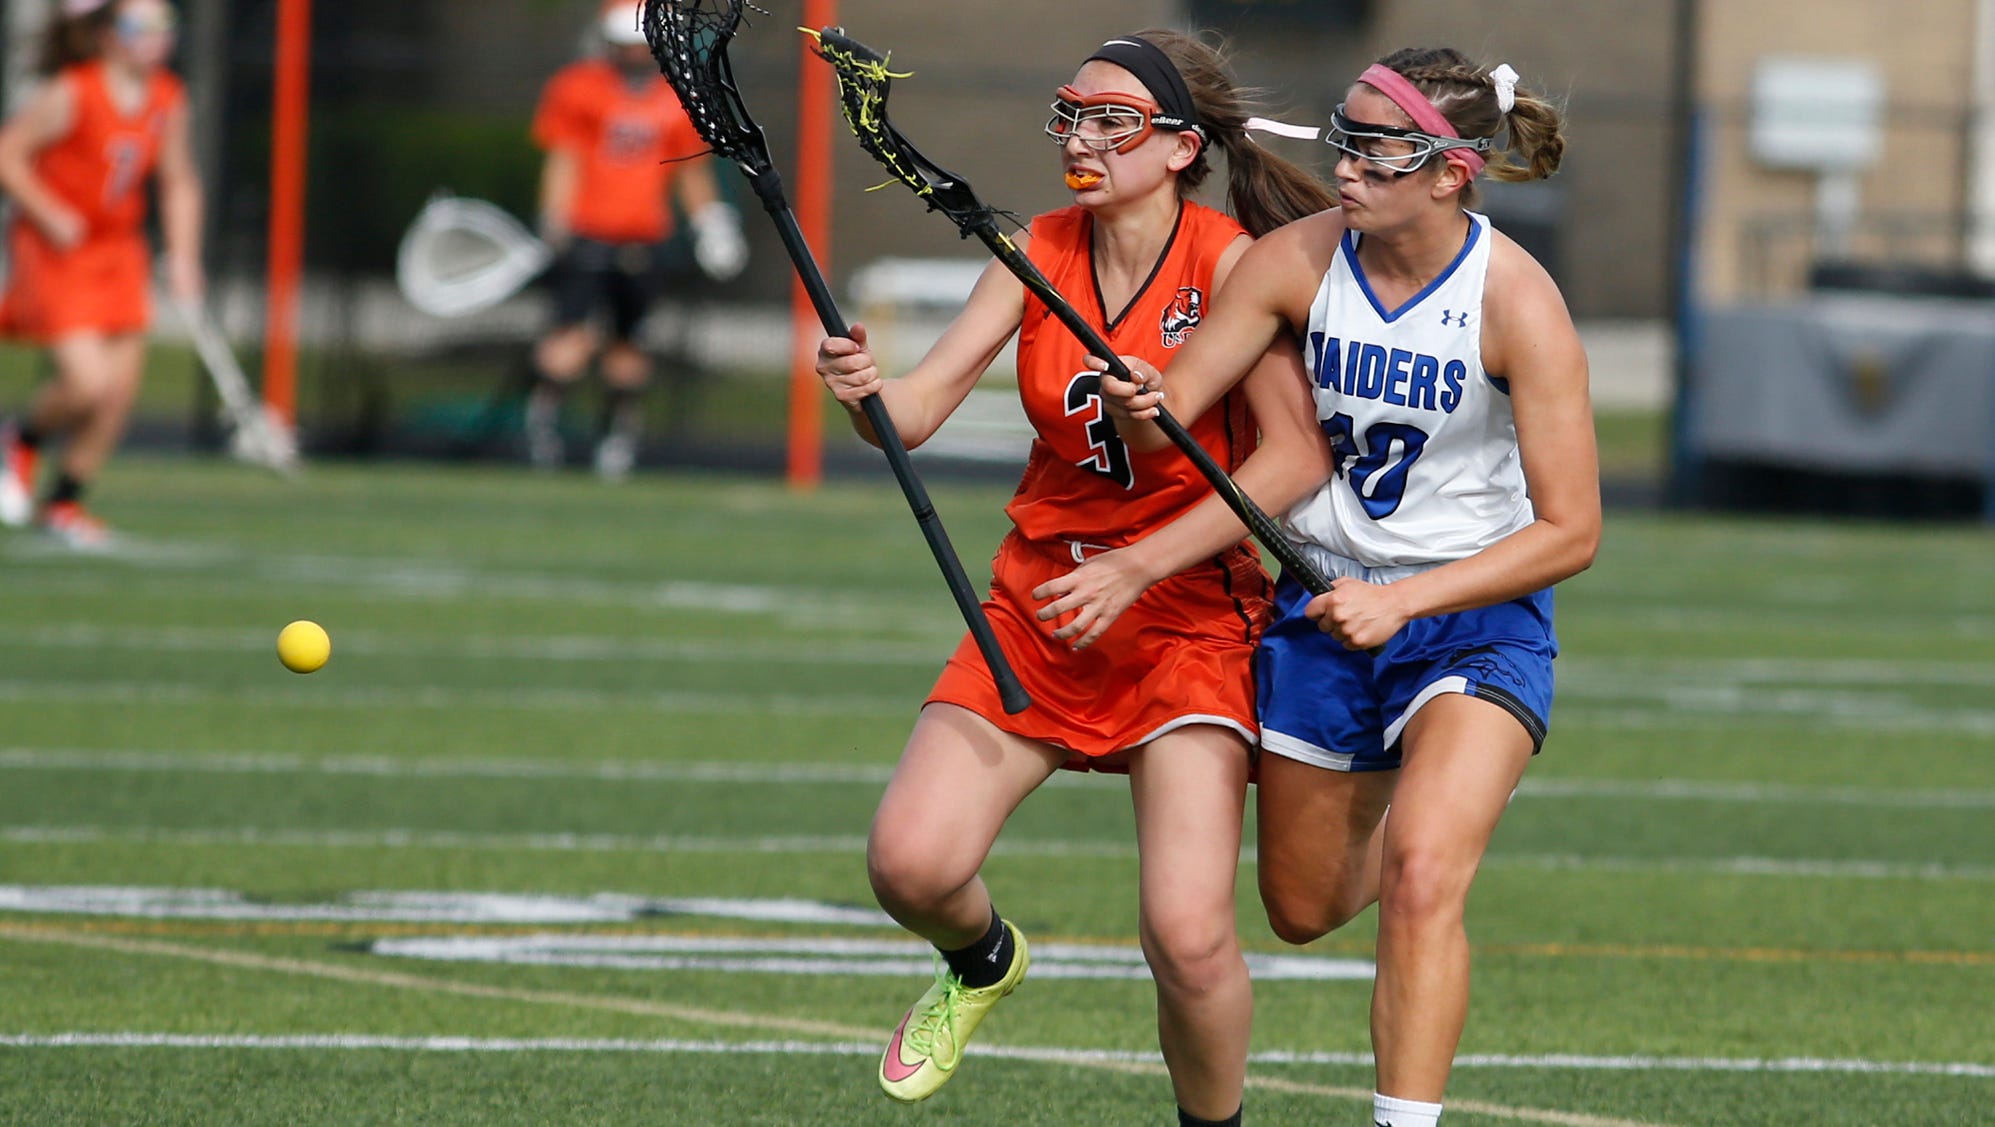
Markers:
point(303, 646)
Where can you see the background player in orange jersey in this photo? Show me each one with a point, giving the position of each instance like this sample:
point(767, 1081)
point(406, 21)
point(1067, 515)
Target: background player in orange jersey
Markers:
point(1166, 696)
point(74, 162)
point(617, 143)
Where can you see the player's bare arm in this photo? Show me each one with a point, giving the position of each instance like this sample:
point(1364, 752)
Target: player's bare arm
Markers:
point(180, 207)
point(919, 401)
point(559, 174)
point(46, 120)
point(1260, 297)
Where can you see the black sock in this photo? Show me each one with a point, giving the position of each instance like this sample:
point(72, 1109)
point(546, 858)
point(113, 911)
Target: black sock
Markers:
point(1187, 1119)
point(66, 488)
point(987, 960)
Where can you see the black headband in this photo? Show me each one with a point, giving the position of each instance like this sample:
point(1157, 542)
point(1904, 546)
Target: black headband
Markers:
point(1155, 70)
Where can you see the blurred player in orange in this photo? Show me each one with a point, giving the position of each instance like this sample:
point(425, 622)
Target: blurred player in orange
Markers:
point(617, 144)
point(74, 162)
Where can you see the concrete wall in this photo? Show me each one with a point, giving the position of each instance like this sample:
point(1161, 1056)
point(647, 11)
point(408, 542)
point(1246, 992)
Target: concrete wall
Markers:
point(1755, 238)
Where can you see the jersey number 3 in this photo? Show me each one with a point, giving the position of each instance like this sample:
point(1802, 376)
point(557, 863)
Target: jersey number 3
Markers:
point(1107, 455)
point(1377, 474)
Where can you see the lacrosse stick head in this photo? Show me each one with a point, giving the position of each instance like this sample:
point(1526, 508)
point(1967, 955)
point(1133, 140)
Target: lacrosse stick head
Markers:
point(266, 439)
point(462, 255)
point(863, 83)
point(689, 40)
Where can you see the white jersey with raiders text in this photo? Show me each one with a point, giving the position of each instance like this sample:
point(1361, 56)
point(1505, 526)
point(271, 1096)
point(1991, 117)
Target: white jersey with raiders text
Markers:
point(1426, 447)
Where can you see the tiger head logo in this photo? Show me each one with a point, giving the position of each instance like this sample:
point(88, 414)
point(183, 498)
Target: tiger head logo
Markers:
point(1182, 315)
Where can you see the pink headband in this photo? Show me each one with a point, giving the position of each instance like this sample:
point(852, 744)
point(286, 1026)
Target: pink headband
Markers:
point(1408, 97)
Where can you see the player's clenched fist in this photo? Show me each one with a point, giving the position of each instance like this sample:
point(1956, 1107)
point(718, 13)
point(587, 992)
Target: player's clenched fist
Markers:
point(847, 368)
point(1131, 400)
point(1359, 614)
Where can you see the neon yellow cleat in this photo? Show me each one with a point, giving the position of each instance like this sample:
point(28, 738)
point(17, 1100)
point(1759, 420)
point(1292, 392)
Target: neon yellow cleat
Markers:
point(928, 1043)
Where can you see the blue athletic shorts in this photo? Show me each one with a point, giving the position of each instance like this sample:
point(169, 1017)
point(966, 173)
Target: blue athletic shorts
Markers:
point(1344, 710)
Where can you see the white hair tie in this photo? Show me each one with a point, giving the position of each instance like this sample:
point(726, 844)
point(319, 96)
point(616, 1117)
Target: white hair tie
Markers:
point(1283, 129)
point(1505, 81)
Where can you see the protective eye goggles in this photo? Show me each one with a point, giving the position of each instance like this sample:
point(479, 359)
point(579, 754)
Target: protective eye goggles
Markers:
point(136, 25)
point(1108, 120)
point(1396, 150)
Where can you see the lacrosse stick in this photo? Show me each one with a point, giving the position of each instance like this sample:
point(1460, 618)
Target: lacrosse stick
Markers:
point(689, 39)
point(863, 80)
point(258, 433)
point(463, 255)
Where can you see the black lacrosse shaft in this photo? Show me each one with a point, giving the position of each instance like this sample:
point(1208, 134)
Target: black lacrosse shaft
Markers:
point(769, 188)
point(1257, 521)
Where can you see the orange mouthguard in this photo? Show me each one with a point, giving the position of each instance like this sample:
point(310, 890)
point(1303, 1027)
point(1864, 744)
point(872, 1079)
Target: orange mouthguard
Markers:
point(1081, 179)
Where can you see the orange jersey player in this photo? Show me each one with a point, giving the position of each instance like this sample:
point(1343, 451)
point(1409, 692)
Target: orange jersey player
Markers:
point(1084, 493)
point(618, 146)
point(76, 161)
point(625, 136)
point(1167, 696)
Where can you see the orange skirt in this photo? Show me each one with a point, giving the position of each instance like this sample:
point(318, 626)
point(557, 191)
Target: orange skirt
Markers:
point(102, 285)
point(1181, 654)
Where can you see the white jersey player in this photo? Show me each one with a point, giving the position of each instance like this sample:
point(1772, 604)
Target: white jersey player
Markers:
point(1451, 390)
point(1425, 441)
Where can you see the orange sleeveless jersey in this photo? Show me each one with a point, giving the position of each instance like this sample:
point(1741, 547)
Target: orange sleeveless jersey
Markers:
point(1181, 655)
point(623, 139)
point(1081, 482)
point(99, 169)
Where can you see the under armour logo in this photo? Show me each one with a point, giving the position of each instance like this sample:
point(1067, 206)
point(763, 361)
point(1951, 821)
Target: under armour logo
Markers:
point(1458, 320)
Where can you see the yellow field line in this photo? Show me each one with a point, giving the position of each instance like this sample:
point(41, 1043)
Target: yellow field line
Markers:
point(694, 1014)
point(251, 961)
point(361, 929)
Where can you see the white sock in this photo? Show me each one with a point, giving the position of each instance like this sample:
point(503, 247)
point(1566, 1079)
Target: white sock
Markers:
point(1389, 1112)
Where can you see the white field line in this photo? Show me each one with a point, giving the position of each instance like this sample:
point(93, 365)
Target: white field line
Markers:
point(550, 648)
point(1818, 713)
point(1582, 675)
point(1718, 670)
point(854, 845)
point(1670, 710)
point(225, 575)
point(1828, 619)
point(860, 1037)
point(441, 1044)
point(519, 699)
point(279, 763)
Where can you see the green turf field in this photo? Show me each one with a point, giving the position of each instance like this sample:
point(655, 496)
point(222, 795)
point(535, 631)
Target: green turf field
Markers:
point(616, 750)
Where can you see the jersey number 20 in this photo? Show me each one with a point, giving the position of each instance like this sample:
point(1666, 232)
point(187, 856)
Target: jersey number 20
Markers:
point(1377, 474)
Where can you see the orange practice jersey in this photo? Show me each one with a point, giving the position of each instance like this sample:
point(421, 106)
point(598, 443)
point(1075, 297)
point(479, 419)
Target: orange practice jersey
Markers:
point(624, 138)
point(1081, 482)
point(99, 170)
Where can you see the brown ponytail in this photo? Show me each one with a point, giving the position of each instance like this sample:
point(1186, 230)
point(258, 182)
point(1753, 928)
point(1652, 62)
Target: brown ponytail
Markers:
point(1466, 96)
point(71, 40)
point(1263, 191)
